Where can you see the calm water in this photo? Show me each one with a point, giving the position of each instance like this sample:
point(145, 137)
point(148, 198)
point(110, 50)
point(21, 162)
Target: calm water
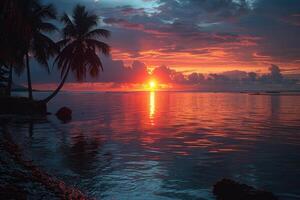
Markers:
point(159, 145)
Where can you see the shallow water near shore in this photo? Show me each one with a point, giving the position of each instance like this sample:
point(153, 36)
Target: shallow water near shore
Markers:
point(167, 145)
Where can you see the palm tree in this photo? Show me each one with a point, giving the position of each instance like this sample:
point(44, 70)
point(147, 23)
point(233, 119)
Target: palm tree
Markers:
point(22, 31)
point(37, 43)
point(11, 32)
point(11, 39)
point(80, 46)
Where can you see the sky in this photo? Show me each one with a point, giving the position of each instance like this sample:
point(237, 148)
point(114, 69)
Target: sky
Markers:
point(196, 36)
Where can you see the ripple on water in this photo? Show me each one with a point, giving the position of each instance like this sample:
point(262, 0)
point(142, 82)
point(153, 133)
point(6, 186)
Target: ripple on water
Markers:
point(168, 145)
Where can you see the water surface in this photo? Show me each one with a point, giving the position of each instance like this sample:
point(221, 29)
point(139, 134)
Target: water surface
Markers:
point(168, 145)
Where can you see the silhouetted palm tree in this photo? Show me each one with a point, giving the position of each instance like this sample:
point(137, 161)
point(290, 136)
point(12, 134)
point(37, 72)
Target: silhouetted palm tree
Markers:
point(37, 43)
point(22, 31)
point(11, 39)
point(11, 32)
point(80, 46)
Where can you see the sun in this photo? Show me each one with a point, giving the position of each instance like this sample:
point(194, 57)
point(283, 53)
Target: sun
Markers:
point(152, 84)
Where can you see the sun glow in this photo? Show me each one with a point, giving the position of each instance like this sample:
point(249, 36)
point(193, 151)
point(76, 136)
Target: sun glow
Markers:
point(152, 84)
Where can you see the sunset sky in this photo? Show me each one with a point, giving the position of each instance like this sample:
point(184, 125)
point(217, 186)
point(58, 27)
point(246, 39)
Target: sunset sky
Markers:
point(204, 36)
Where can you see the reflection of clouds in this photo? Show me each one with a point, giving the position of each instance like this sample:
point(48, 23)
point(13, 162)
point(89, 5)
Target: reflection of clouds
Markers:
point(152, 107)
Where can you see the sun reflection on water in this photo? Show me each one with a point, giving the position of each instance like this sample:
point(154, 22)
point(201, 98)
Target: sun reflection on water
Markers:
point(151, 107)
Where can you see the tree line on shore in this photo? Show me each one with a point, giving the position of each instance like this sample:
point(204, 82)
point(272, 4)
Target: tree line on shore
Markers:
point(26, 27)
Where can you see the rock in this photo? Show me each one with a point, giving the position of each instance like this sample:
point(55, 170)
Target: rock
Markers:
point(227, 189)
point(64, 114)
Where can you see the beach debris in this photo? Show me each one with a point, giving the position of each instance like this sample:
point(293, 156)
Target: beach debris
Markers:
point(227, 189)
point(64, 114)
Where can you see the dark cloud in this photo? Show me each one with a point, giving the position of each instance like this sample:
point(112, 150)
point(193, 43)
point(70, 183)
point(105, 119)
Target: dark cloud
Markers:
point(123, 23)
point(114, 71)
point(235, 74)
point(200, 35)
point(275, 22)
point(229, 81)
point(129, 11)
point(231, 25)
point(195, 78)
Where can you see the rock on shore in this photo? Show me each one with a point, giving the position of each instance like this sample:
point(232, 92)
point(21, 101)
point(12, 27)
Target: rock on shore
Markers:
point(227, 189)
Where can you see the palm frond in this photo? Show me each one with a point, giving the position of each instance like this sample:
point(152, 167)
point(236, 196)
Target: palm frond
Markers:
point(47, 27)
point(100, 46)
point(98, 33)
point(94, 62)
point(69, 30)
point(46, 12)
point(66, 56)
point(83, 20)
point(43, 48)
point(62, 43)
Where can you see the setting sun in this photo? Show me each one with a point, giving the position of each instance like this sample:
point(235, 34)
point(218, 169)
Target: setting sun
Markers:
point(152, 84)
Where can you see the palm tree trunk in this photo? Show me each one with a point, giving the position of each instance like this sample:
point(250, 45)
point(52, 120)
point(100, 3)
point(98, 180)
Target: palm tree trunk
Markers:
point(9, 84)
point(59, 87)
point(28, 77)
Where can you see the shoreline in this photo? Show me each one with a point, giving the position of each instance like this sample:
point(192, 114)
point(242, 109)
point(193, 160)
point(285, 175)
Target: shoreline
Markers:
point(17, 170)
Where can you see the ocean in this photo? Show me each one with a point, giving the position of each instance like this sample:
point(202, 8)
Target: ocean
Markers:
point(167, 145)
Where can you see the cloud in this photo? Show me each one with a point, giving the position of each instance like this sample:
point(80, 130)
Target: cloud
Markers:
point(235, 74)
point(275, 73)
point(123, 23)
point(114, 71)
point(118, 76)
point(202, 36)
point(130, 11)
point(195, 78)
point(163, 74)
point(228, 81)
